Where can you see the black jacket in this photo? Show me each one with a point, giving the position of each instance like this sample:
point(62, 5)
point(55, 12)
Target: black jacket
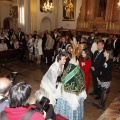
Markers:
point(98, 62)
point(105, 73)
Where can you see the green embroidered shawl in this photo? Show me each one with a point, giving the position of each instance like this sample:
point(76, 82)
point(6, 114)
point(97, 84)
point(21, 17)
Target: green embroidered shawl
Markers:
point(73, 79)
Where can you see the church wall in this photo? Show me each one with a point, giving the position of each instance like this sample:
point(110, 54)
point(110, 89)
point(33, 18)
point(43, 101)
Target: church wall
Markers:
point(42, 15)
point(4, 11)
point(68, 24)
point(102, 18)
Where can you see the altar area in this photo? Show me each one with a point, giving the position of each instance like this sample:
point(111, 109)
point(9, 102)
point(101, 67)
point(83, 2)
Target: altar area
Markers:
point(102, 16)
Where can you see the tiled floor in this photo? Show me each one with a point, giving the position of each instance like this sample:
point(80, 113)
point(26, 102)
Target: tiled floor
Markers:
point(33, 73)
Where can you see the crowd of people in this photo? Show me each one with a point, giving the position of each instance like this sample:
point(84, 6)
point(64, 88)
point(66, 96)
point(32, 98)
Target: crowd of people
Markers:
point(72, 58)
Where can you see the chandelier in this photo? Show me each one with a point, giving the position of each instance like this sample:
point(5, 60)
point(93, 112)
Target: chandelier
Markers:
point(118, 5)
point(47, 7)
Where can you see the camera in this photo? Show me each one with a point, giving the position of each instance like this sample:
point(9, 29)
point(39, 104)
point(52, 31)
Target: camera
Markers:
point(43, 105)
point(12, 76)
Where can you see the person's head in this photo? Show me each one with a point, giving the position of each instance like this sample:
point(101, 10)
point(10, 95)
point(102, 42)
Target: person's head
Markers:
point(100, 37)
point(115, 37)
point(35, 32)
point(92, 34)
point(38, 36)
point(69, 48)
point(96, 40)
point(79, 33)
point(83, 46)
point(19, 95)
point(46, 31)
point(110, 36)
point(108, 54)
point(86, 54)
point(100, 45)
point(5, 85)
point(63, 39)
point(55, 31)
point(26, 37)
point(23, 36)
point(2, 35)
point(30, 36)
point(61, 58)
point(49, 35)
point(19, 29)
point(67, 37)
point(15, 40)
point(83, 40)
point(2, 41)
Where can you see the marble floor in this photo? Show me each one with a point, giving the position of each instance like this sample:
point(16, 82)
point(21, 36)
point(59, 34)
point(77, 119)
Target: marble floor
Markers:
point(33, 73)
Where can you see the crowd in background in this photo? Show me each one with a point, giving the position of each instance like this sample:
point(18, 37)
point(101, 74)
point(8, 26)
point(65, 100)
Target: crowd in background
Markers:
point(49, 43)
point(95, 54)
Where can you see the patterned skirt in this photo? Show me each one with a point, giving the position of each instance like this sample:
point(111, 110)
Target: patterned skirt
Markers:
point(63, 108)
point(105, 84)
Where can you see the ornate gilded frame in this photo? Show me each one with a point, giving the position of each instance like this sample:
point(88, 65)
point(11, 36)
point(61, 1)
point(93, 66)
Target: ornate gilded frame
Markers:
point(69, 10)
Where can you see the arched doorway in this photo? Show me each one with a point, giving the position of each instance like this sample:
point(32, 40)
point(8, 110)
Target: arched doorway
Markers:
point(8, 23)
point(46, 24)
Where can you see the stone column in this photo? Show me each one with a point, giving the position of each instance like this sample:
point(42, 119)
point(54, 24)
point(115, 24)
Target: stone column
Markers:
point(55, 10)
point(21, 16)
point(33, 12)
point(91, 9)
point(109, 10)
point(82, 14)
point(27, 16)
point(0, 14)
point(84, 9)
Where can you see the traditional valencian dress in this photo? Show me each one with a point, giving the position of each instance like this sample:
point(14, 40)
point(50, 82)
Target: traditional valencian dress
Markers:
point(71, 93)
point(48, 82)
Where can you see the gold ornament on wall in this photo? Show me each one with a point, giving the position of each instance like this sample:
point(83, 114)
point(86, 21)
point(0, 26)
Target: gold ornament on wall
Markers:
point(118, 5)
point(69, 10)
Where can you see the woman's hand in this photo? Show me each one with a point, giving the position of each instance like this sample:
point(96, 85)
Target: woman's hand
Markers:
point(44, 114)
point(93, 69)
point(99, 82)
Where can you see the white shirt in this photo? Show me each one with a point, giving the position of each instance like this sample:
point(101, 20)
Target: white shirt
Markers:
point(114, 43)
point(3, 47)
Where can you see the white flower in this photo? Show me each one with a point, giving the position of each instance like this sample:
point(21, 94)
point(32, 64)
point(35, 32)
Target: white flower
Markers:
point(105, 65)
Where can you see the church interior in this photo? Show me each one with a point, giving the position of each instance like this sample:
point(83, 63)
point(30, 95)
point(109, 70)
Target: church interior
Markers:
point(74, 17)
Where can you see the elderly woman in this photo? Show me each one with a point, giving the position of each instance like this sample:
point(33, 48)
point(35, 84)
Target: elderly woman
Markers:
point(38, 48)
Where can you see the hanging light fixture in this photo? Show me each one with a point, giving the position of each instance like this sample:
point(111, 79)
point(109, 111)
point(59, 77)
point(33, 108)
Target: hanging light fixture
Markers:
point(118, 5)
point(48, 7)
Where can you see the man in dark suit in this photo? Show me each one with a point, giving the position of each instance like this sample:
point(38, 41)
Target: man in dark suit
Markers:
point(34, 35)
point(109, 42)
point(91, 39)
point(97, 61)
point(78, 37)
point(20, 34)
point(116, 47)
point(44, 39)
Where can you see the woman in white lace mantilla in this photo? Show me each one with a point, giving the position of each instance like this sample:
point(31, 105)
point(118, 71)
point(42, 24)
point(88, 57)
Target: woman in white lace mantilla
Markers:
point(48, 82)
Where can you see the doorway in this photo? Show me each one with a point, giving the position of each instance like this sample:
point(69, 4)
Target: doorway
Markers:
point(46, 24)
point(8, 23)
